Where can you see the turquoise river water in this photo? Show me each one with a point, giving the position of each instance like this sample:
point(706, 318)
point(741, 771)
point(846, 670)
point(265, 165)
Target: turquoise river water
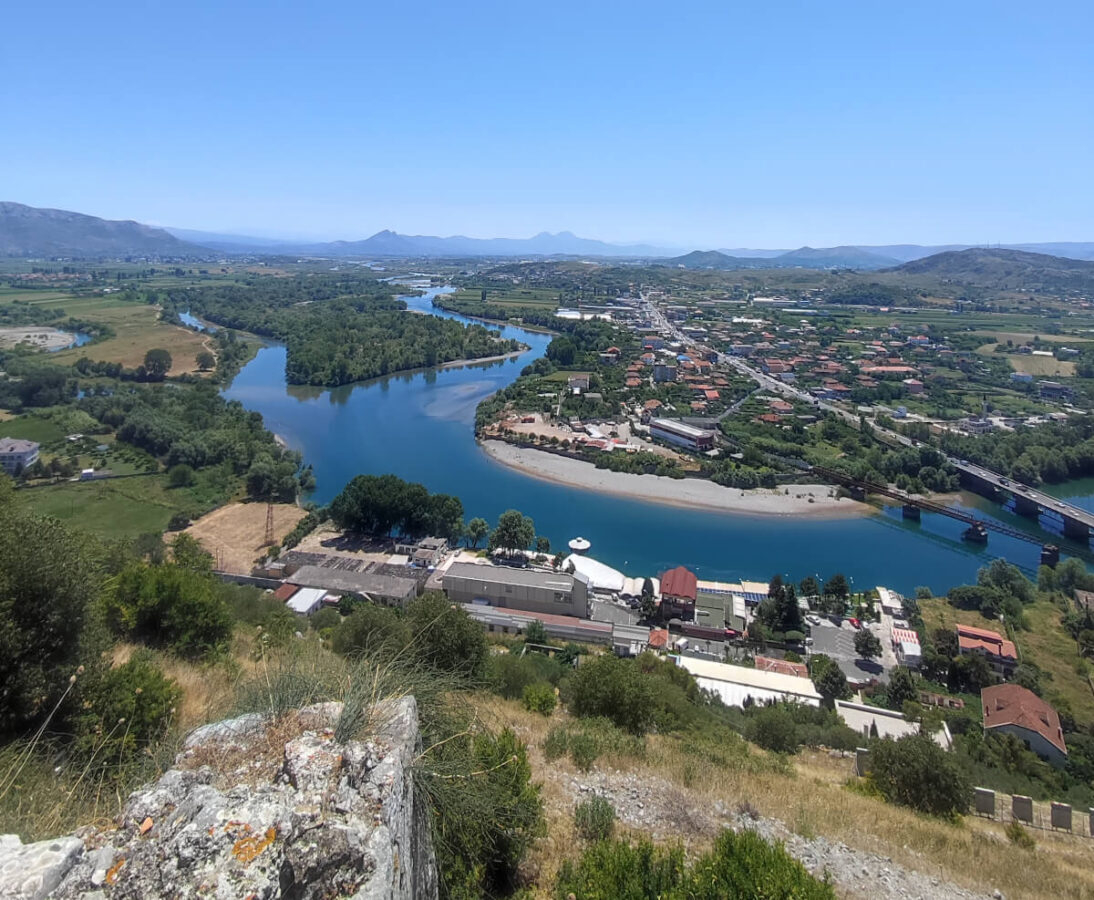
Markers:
point(419, 426)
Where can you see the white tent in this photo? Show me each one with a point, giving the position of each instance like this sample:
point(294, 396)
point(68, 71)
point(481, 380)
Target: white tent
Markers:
point(601, 577)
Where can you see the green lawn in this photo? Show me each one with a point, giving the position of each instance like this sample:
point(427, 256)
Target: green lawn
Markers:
point(31, 428)
point(111, 509)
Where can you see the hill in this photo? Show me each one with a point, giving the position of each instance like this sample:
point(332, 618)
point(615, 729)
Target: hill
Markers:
point(835, 257)
point(29, 231)
point(1002, 269)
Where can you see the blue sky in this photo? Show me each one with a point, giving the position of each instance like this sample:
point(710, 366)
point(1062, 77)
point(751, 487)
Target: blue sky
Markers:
point(715, 124)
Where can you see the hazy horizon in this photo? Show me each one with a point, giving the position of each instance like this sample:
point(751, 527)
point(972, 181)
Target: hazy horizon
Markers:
point(700, 126)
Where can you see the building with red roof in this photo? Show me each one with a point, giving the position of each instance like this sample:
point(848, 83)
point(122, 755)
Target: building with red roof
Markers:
point(1013, 709)
point(678, 589)
point(1000, 653)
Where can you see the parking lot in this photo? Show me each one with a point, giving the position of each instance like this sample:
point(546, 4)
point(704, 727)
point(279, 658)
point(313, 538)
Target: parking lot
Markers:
point(838, 642)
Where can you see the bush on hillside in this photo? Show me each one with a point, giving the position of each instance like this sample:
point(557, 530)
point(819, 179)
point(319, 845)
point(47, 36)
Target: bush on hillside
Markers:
point(127, 709)
point(508, 674)
point(540, 698)
point(595, 819)
point(739, 865)
point(914, 771)
point(613, 689)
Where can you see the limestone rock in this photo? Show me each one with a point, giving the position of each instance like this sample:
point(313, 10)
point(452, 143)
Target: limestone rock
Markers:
point(257, 809)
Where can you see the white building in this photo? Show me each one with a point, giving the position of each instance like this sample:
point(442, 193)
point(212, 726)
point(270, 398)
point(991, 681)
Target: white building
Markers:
point(873, 721)
point(891, 603)
point(736, 684)
point(16, 454)
point(602, 579)
point(306, 601)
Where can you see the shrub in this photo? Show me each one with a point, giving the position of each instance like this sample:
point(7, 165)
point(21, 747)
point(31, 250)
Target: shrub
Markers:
point(595, 819)
point(325, 618)
point(178, 521)
point(583, 750)
point(556, 743)
point(738, 865)
point(1019, 836)
point(172, 606)
point(773, 729)
point(508, 674)
point(446, 637)
point(181, 475)
point(540, 698)
point(127, 709)
point(615, 689)
point(914, 771)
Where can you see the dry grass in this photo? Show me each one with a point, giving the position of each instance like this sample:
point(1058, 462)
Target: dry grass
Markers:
point(235, 534)
point(1033, 365)
point(813, 800)
point(137, 329)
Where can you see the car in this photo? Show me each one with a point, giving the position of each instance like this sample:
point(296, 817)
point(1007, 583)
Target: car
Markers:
point(813, 620)
point(855, 623)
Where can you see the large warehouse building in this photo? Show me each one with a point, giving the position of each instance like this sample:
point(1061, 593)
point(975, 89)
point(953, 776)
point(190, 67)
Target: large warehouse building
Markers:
point(682, 435)
point(552, 593)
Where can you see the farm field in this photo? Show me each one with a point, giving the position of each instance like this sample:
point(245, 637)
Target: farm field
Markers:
point(1046, 366)
point(234, 534)
point(119, 508)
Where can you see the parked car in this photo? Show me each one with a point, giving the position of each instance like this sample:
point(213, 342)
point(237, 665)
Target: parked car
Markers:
point(813, 619)
point(855, 623)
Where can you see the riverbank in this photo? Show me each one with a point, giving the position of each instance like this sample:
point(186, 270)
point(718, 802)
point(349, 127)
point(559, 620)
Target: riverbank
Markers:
point(813, 500)
point(501, 357)
point(43, 337)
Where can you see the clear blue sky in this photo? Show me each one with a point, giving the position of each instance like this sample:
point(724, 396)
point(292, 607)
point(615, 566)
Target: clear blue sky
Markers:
point(715, 124)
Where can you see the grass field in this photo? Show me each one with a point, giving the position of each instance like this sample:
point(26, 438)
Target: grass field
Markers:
point(121, 508)
point(1032, 365)
point(137, 329)
point(526, 298)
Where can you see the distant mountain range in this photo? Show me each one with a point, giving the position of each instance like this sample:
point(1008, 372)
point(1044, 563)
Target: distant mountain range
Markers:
point(26, 231)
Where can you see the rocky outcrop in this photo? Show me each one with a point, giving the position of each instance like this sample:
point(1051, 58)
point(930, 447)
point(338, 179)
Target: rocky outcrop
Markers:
point(260, 809)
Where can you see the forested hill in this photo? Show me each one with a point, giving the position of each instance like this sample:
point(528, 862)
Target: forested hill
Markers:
point(339, 329)
point(1005, 269)
point(28, 231)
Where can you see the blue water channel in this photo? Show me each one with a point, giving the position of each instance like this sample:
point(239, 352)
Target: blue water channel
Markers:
point(419, 426)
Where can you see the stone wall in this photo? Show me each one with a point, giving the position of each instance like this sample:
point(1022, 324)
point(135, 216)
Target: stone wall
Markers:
point(254, 808)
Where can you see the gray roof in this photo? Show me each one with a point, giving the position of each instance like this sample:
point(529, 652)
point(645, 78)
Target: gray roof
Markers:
point(355, 582)
point(505, 575)
point(17, 445)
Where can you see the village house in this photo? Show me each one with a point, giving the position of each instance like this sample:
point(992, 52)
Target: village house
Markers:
point(1012, 709)
point(997, 650)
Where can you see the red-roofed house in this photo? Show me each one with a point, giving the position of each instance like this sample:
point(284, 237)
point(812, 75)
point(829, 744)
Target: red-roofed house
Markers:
point(284, 592)
point(659, 638)
point(997, 650)
point(1012, 709)
point(678, 589)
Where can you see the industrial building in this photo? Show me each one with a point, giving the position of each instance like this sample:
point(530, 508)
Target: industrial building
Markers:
point(682, 435)
point(388, 590)
point(553, 593)
point(737, 684)
point(16, 454)
point(515, 621)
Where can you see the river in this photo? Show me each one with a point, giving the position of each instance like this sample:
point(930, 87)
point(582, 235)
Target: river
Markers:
point(420, 426)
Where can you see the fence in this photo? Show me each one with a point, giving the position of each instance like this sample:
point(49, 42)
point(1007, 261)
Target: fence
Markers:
point(1049, 816)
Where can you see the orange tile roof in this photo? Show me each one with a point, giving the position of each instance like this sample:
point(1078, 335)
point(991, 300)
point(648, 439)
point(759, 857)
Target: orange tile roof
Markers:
point(782, 666)
point(1012, 704)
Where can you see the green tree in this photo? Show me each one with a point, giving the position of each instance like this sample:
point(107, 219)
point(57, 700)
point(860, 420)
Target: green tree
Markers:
point(901, 688)
point(157, 363)
point(773, 728)
point(514, 531)
point(867, 644)
point(809, 587)
point(914, 771)
point(543, 545)
point(49, 581)
point(205, 360)
point(477, 529)
point(829, 679)
point(371, 630)
point(837, 587)
point(539, 697)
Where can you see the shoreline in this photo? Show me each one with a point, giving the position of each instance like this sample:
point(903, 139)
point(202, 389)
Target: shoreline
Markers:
point(812, 500)
point(501, 357)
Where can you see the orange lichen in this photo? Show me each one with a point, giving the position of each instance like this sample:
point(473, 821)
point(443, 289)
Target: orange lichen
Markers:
point(247, 849)
point(112, 872)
